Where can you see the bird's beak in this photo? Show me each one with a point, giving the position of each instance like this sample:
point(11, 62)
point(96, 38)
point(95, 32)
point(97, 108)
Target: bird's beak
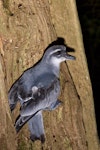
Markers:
point(69, 57)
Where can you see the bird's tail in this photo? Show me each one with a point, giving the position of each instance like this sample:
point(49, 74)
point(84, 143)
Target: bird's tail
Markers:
point(12, 96)
point(35, 124)
point(36, 128)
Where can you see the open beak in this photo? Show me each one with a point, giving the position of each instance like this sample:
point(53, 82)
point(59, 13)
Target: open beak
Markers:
point(69, 57)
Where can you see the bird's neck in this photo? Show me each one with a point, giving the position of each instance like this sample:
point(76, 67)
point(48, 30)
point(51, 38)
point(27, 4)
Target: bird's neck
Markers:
point(52, 67)
point(55, 69)
point(55, 65)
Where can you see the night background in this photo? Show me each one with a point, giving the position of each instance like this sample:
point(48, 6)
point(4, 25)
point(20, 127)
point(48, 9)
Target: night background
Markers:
point(89, 16)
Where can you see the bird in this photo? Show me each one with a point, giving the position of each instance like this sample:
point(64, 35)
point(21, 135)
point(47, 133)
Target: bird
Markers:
point(37, 90)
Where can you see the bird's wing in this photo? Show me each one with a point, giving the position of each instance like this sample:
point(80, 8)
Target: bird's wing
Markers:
point(44, 94)
point(54, 105)
point(20, 121)
point(36, 127)
point(35, 121)
point(12, 96)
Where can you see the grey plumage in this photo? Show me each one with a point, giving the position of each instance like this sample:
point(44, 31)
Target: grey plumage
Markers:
point(37, 129)
point(38, 89)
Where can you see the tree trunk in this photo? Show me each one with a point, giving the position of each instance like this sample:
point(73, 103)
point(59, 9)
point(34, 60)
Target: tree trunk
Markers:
point(26, 29)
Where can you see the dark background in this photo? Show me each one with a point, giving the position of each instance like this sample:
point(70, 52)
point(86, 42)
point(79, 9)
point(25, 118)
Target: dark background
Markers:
point(89, 16)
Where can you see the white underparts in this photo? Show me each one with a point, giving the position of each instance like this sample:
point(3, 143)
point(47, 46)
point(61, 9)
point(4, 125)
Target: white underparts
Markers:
point(56, 61)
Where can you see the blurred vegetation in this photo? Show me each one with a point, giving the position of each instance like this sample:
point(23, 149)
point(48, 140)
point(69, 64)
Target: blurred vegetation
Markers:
point(89, 15)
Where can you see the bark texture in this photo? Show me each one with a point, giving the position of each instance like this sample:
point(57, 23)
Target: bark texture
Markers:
point(26, 29)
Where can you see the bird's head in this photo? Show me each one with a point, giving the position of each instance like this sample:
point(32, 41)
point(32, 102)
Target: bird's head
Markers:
point(56, 54)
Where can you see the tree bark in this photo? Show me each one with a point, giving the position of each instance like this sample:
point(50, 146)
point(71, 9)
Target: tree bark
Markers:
point(26, 29)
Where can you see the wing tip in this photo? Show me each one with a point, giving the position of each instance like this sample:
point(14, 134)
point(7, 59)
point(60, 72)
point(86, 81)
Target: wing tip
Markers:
point(17, 125)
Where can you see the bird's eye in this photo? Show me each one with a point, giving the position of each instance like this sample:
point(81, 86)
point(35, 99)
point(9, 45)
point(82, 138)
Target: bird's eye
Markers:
point(58, 53)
